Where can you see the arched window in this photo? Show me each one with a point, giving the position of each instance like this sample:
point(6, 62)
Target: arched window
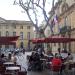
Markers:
point(7, 33)
point(64, 7)
point(22, 45)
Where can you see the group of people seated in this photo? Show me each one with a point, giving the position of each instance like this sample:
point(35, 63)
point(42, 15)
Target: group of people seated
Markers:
point(34, 62)
point(58, 61)
point(2, 58)
point(10, 57)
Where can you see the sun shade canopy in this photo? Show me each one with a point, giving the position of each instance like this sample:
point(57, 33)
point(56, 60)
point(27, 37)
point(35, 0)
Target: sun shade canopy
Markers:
point(9, 40)
point(53, 40)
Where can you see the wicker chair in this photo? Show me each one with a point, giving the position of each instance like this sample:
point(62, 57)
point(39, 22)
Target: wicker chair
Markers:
point(22, 73)
point(7, 74)
point(56, 69)
point(2, 69)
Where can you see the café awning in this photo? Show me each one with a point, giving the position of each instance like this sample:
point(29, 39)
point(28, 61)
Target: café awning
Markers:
point(7, 43)
point(53, 40)
point(38, 40)
point(8, 40)
point(59, 40)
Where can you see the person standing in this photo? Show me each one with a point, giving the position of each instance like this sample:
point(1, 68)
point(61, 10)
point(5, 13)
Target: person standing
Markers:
point(24, 50)
point(14, 58)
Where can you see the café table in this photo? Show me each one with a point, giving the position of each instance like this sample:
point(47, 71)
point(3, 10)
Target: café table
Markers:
point(8, 63)
point(13, 69)
point(42, 59)
point(49, 63)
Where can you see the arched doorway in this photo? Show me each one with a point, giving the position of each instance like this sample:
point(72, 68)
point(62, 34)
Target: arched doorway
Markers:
point(21, 45)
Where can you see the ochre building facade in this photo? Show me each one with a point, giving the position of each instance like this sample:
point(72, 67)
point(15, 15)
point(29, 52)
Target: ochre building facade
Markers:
point(63, 15)
point(23, 29)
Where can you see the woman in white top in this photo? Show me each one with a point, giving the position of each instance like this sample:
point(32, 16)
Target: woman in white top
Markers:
point(13, 58)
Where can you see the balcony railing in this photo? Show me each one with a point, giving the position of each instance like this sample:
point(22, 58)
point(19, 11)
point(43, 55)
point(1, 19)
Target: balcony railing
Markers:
point(65, 29)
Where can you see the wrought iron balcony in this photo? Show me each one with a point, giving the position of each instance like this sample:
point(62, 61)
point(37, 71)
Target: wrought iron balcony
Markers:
point(65, 29)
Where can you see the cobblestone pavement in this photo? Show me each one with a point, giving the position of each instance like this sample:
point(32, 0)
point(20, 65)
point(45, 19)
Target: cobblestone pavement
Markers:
point(22, 60)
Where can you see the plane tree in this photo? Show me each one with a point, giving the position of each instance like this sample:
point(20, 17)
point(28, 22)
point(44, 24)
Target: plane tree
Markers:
point(36, 10)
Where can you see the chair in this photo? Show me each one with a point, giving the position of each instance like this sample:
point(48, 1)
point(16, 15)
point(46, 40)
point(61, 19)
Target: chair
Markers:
point(7, 74)
point(22, 73)
point(19, 66)
point(71, 66)
point(74, 65)
point(2, 69)
point(56, 69)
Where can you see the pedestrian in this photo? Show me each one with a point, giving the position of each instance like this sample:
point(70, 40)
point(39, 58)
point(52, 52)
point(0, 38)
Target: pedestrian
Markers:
point(24, 50)
point(14, 58)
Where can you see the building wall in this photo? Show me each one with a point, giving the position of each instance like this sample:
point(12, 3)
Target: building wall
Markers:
point(67, 17)
point(9, 26)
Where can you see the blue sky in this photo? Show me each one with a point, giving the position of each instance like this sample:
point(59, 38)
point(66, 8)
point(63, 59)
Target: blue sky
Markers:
point(12, 12)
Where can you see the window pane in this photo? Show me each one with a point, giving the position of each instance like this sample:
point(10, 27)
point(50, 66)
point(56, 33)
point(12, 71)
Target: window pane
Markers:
point(21, 44)
point(28, 35)
point(7, 26)
point(14, 33)
point(21, 35)
point(0, 26)
point(7, 33)
point(0, 33)
point(21, 27)
point(0, 46)
point(6, 46)
point(28, 27)
point(14, 26)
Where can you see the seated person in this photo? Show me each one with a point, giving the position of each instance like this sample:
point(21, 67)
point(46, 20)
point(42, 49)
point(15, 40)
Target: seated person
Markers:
point(9, 56)
point(68, 61)
point(69, 57)
point(56, 63)
point(3, 58)
point(31, 57)
point(14, 58)
point(50, 56)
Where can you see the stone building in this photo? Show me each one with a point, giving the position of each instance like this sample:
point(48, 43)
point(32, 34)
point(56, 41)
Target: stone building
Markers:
point(23, 29)
point(63, 17)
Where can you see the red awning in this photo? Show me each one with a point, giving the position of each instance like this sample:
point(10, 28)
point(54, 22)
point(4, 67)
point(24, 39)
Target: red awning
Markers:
point(8, 40)
point(53, 40)
point(38, 40)
point(11, 38)
point(59, 40)
point(8, 43)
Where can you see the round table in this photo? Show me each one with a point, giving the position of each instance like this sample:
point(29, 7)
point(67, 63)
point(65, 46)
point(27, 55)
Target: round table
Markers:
point(13, 68)
point(43, 59)
point(8, 63)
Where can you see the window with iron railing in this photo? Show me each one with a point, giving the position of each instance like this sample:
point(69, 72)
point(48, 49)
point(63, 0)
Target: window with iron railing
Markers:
point(0, 33)
point(28, 27)
point(21, 35)
point(14, 26)
point(7, 33)
point(6, 46)
point(21, 27)
point(7, 26)
point(28, 35)
point(14, 33)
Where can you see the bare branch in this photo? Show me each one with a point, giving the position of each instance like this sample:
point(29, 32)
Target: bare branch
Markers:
point(34, 5)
